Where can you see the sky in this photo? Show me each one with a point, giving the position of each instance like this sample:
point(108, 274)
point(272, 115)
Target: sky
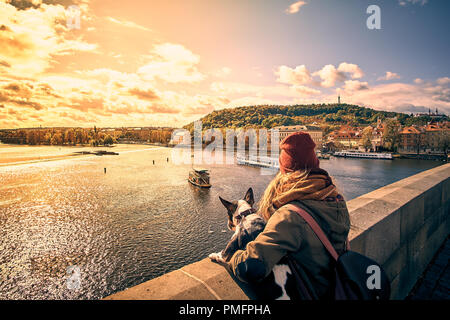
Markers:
point(167, 63)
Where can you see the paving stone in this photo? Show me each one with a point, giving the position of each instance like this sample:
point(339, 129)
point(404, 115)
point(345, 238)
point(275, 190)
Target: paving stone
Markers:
point(435, 281)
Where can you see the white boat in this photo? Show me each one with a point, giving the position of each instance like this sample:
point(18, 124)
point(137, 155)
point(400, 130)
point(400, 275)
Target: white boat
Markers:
point(262, 162)
point(364, 155)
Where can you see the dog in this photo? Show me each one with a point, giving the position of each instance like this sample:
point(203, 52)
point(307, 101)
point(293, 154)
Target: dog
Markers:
point(247, 224)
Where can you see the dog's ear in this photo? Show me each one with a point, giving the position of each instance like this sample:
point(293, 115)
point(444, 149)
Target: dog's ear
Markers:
point(249, 197)
point(230, 206)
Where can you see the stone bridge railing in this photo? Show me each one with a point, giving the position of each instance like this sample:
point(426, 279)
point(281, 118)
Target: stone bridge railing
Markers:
point(400, 225)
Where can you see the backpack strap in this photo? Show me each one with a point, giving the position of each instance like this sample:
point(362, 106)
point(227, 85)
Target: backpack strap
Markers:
point(316, 228)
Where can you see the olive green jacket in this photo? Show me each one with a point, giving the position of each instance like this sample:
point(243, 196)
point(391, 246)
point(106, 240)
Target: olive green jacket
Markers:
point(287, 232)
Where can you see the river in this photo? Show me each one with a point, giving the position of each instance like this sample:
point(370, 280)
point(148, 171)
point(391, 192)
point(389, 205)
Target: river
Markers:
point(136, 222)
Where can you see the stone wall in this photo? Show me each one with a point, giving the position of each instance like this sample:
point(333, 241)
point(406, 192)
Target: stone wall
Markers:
point(400, 226)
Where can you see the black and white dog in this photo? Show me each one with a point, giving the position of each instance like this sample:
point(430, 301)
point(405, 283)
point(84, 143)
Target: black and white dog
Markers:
point(247, 224)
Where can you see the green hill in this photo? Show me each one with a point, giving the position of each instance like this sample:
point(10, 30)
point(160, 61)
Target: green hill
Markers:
point(268, 116)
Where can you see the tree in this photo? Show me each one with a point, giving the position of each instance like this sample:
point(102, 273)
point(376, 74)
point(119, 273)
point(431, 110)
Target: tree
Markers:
point(391, 135)
point(367, 138)
point(32, 137)
point(48, 137)
point(108, 140)
point(69, 136)
point(56, 139)
point(443, 142)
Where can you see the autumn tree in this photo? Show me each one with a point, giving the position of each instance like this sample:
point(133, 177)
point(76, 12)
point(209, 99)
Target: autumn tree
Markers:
point(367, 138)
point(108, 140)
point(56, 139)
point(443, 141)
point(391, 136)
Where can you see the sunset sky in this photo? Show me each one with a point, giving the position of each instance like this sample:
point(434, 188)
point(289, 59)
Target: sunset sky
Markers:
point(166, 63)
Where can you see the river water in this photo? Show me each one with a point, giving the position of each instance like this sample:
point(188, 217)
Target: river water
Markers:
point(136, 222)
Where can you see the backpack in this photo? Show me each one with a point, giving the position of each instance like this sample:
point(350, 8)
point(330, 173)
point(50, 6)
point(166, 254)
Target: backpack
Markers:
point(356, 277)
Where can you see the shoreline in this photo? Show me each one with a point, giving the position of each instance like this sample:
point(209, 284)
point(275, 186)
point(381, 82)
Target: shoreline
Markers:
point(87, 151)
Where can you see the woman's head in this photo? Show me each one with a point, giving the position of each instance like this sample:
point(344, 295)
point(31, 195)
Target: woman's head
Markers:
point(297, 153)
point(297, 159)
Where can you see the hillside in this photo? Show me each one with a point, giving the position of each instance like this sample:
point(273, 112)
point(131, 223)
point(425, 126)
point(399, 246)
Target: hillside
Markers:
point(265, 116)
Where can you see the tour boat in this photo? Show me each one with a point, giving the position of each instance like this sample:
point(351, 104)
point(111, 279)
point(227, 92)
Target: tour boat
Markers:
point(364, 155)
point(262, 162)
point(199, 178)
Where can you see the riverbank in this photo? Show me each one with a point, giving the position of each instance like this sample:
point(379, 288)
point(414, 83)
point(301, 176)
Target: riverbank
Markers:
point(421, 156)
point(24, 154)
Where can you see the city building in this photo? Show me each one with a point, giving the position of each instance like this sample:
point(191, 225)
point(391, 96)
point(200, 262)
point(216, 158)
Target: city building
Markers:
point(430, 139)
point(433, 115)
point(346, 136)
point(314, 131)
point(411, 140)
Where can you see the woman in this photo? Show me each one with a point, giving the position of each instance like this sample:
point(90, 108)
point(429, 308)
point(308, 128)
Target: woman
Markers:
point(300, 182)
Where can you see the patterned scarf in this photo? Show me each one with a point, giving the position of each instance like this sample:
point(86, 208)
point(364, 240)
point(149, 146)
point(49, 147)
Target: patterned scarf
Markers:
point(316, 186)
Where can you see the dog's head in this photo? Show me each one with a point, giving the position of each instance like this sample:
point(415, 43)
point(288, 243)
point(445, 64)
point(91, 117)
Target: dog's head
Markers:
point(239, 209)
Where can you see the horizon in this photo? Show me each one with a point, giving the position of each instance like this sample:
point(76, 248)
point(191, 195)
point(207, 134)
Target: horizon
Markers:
point(152, 63)
point(199, 119)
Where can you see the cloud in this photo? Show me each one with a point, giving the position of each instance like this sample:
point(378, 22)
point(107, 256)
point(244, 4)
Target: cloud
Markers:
point(223, 72)
point(144, 94)
point(5, 64)
point(128, 24)
point(262, 92)
point(172, 63)
point(395, 96)
point(443, 81)
point(295, 7)
point(163, 109)
point(410, 108)
point(355, 85)
point(298, 76)
point(406, 2)
point(329, 74)
point(352, 69)
point(21, 94)
point(32, 34)
point(389, 76)
point(305, 90)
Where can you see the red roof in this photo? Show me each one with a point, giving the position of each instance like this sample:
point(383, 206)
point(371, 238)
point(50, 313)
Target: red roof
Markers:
point(410, 130)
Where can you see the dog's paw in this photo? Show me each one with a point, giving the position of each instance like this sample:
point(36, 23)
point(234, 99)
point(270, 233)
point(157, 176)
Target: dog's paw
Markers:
point(217, 257)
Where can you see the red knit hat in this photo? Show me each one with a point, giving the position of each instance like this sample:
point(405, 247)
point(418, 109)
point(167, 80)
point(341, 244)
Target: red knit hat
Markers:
point(297, 153)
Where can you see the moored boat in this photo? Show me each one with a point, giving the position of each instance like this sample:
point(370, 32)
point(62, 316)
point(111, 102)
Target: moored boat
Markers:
point(364, 155)
point(262, 162)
